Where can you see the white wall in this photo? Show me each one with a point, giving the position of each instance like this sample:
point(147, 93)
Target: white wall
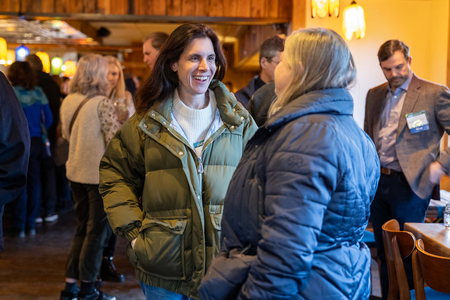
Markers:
point(421, 24)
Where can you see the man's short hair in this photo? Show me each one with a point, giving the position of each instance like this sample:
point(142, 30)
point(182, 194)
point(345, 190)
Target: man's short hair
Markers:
point(390, 47)
point(35, 62)
point(158, 39)
point(270, 47)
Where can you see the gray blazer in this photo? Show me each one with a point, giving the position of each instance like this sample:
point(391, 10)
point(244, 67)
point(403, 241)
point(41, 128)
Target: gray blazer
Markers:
point(417, 151)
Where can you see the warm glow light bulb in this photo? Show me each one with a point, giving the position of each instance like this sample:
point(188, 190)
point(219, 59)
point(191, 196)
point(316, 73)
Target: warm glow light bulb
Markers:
point(354, 22)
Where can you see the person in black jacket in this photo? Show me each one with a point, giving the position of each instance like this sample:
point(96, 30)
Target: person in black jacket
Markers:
point(49, 180)
point(14, 147)
point(269, 58)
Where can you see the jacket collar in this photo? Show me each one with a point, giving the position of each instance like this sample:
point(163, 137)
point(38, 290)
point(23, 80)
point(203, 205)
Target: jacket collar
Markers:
point(232, 114)
point(330, 101)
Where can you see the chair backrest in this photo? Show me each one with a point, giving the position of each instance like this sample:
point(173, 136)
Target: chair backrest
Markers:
point(397, 245)
point(431, 269)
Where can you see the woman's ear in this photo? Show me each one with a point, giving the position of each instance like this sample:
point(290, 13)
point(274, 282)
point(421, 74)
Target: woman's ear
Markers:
point(301, 69)
point(174, 66)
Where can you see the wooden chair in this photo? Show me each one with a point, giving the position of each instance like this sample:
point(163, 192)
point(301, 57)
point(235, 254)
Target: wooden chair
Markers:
point(398, 245)
point(432, 270)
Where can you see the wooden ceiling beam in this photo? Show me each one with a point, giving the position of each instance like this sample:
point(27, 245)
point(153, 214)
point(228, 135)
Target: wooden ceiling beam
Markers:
point(147, 18)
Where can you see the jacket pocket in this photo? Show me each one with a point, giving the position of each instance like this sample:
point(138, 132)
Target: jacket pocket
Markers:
point(160, 248)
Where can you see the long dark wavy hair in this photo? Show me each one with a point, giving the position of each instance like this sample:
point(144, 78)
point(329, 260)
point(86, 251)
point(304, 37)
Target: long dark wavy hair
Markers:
point(163, 80)
point(21, 74)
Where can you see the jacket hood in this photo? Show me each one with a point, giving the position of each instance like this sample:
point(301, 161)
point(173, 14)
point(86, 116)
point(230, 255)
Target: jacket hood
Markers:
point(330, 101)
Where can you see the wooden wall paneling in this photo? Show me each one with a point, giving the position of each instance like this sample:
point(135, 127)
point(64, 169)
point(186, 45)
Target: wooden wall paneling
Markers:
point(47, 6)
point(104, 7)
point(216, 8)
point(236, 78)
point(258, 8)
point(89, 6)
point(26, 6)
point(74, 7)
point(131, 7)
point(273, 8)
point(6, 6)
point(230, 8)
point(159, 7)
point(201, 7)
point(60, 7)
point(119, 7)
point(35, 6)
point(287, 9)
point(244, 8)
point(173, 7)
point(188, 7)
point(12, 5)
point(147, 7)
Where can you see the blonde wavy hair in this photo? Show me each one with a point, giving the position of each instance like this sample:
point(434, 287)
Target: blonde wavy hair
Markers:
point(120, 88)
point(90, 77)
point(319, 59)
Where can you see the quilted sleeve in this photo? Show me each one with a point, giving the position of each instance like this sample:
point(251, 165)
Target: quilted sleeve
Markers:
point(121, 180)
point(302, 173)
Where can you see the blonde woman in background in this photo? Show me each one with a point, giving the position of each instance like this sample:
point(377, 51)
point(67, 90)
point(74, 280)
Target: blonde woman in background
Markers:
point(89, 134)
point(123, 102)
point(122, 99)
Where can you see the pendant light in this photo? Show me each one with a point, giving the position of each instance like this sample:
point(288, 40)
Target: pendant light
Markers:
point(353, 22)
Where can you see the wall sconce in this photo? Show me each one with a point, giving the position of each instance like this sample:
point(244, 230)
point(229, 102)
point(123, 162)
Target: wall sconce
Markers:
point(21, 52)
point(3, 51)
point(353, 22)
point(69, 68)
point(45, 61)
point(57, 63)
point(11, 57)
point(322, 8)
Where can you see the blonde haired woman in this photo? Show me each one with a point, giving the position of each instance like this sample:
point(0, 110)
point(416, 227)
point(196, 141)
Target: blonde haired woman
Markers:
point(299, 201)
point(122, 99)
point(89, 122)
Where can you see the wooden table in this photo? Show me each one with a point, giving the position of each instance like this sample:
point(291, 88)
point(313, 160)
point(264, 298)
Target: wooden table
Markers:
point(433, 234)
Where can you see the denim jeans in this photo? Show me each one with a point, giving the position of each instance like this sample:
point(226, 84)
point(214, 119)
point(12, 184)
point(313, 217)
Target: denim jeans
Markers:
point(155, 293)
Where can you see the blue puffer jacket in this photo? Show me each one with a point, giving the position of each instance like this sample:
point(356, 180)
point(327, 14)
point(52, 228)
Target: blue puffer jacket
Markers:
point(297, 207)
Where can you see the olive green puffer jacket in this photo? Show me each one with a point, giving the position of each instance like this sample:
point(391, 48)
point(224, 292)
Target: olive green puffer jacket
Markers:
point(157, 190)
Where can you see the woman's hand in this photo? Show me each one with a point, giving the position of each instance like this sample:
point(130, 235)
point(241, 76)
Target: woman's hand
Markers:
point(122, 115)
point(133, 242)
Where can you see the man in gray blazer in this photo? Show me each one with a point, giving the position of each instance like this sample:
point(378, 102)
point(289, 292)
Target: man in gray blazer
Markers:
point(406, 119)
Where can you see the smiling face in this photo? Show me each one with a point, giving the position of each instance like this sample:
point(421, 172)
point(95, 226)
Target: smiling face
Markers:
point(113, 76)
point(195, 69)
point(396, 69)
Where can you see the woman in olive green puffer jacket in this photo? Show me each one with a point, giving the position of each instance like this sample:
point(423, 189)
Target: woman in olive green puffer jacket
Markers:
point(161, 193)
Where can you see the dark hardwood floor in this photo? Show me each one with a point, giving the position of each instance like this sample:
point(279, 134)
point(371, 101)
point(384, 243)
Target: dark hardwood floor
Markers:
point(33, 267)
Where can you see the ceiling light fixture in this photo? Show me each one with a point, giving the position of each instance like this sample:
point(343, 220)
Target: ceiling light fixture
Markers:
point(322, 8)
point(353, 22)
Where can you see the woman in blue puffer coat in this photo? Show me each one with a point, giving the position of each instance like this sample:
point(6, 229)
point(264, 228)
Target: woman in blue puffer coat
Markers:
point(299, 201)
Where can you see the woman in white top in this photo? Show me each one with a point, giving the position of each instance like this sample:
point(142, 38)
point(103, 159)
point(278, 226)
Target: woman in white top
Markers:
point(121, 98)
point(93, 128)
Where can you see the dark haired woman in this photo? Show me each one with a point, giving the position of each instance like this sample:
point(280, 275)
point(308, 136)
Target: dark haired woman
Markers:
point(164, 176)
point(39, 117)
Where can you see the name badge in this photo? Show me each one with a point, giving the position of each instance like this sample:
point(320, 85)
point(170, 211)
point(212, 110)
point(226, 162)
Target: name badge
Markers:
point(199, 144)
point(417, 121)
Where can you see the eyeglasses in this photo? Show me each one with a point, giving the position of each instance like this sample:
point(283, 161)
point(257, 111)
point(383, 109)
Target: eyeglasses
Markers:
point(273, 61)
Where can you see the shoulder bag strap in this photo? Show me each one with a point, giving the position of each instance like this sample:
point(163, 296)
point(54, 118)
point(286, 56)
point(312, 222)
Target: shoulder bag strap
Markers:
point(78, 110)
